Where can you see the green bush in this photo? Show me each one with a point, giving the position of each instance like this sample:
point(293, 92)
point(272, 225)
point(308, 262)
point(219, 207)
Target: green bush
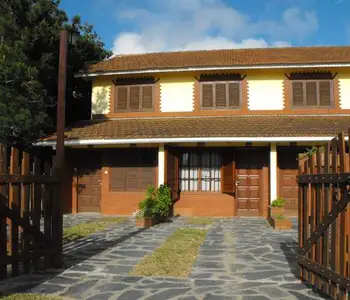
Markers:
point(157, 203)
point(279, 202)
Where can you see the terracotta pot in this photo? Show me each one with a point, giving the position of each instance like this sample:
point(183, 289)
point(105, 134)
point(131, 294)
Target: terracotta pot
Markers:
point(277, 211)
point(146, 222)
point(281, 224)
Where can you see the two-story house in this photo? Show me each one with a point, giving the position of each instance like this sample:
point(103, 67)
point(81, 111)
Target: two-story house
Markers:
point(222, 128)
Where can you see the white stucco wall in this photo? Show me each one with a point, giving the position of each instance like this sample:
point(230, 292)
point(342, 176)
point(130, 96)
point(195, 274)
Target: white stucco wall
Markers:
point(265, 94)
point(176, 94)
point(101, 89)
point(344, 90)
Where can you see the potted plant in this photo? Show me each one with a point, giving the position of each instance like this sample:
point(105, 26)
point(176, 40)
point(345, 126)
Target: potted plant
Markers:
point(155, 207)
point(281, 222)
point(277, 207)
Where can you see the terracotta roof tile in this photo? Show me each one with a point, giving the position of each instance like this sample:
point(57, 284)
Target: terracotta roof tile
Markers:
point(230, 57)
point(228, 126)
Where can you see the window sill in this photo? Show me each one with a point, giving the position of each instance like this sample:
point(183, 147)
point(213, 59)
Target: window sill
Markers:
point(199, 193)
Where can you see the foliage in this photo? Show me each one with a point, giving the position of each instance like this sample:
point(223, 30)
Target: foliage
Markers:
point(175, 257)
point(199, 221)
point(85, 229)
point(29, 297)
point(157, 203)
point(310, 151)
point(279, 202)
point(29, 47)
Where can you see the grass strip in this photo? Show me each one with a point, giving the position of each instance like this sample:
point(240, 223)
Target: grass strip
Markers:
point(85, 229)
point(199, 221)
point(175, 257)
point(28, 297)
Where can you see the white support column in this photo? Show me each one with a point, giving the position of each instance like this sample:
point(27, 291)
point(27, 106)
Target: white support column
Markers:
point(161, 164)
point(273, 172)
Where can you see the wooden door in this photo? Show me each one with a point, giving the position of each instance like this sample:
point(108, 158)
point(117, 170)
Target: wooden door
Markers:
point(287, 184)
point(249, 180)
point(89, 182)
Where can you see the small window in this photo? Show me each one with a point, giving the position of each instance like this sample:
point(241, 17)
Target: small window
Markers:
point(221, 95)
point(312, 93)
point(134, 98)
point(200, 172)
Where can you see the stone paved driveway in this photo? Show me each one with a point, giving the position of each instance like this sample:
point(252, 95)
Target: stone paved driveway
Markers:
point(241, 258)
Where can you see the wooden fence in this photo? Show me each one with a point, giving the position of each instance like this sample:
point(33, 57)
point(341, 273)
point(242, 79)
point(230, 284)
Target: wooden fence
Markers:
point(324, 218)
point(30, 218)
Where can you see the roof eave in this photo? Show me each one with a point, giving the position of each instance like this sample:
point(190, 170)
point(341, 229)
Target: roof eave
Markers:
point(211, 68)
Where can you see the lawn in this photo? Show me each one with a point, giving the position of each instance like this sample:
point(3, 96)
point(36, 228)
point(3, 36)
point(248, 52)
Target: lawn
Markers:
point(85, 229)
point(199, 221)
point(175, 257)
point(28, 297)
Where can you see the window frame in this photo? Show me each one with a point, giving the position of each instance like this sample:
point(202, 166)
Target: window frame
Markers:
point(318, 106)
point(129, 86)
point(198, 169)
point(227, 82)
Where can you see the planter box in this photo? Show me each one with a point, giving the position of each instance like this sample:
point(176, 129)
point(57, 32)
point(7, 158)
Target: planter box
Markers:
point(281, 224)
point(146, 222)
point(277, 211)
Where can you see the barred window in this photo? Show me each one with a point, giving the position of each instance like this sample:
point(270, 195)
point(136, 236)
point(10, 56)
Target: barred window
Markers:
point(200, 171)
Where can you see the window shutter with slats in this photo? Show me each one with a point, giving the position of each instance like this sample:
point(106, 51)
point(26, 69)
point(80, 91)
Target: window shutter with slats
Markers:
point(207, 95)
point(234, 98)
point(147, 97)
point(325, 93)
point(135, 97)
point(220, 95)
point(311, 93)
point(122, 98)
point(298, 93)
point(117, 179)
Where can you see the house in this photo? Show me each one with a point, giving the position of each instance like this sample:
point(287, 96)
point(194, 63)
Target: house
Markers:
point(222, 128)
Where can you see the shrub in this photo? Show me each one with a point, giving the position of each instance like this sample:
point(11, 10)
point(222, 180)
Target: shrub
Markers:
point(157, 203)
point(279, 202)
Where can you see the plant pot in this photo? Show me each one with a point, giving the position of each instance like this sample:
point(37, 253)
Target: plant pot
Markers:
point(146, 222)
point(281, 224)
point(277, 211)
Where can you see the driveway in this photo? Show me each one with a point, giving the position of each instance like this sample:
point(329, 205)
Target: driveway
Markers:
point(241, 258)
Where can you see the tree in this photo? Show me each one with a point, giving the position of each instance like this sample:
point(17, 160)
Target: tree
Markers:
point(29, 46)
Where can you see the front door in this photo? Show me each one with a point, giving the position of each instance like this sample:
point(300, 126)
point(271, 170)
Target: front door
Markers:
point(89, 183)
point(248, 180)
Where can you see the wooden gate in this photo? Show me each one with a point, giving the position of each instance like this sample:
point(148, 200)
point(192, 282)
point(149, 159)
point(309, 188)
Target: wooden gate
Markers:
point(324, 218)
point(30, 219)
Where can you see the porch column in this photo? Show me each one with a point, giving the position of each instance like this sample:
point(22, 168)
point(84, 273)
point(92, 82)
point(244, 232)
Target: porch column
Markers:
point(273, 172)
point(161, 164)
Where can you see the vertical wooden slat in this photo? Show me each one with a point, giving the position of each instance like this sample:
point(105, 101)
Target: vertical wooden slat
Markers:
point(306, 215)
point(14, 202)
point(326, 199)
point(36, 214)
point(47, 210)
point(348, 215)
point(335, 232)
point(301, 218)
point(3, 219)
point(313, 277)
point(342, 220)
point(25, 205)
point(318, 218)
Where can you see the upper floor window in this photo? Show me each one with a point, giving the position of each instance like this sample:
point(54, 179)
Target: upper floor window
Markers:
point(312, 90)
point(221, 91)
point(134, 95)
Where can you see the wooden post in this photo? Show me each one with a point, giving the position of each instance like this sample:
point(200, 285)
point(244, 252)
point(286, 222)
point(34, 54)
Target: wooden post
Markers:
point(61, 99)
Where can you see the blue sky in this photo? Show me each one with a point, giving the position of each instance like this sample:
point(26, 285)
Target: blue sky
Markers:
point(136, 26)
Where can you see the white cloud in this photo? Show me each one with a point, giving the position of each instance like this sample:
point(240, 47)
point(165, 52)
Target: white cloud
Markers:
point(206, 24)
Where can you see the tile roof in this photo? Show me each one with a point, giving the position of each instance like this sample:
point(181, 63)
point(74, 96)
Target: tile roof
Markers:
point(230, 57)
point(192, 127)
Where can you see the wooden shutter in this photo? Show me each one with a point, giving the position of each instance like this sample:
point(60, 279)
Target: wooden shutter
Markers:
point(228, 184)
point(117, 179)
point(234, 97)
point(132, 178)
point(325, 93)
point(135, 97)
point(172, 172)
point(147, 177)
point(207, 95)
point(147, 97)
point(122, 98)
point(311, 93)
point(220, 95)
point(298, 93)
